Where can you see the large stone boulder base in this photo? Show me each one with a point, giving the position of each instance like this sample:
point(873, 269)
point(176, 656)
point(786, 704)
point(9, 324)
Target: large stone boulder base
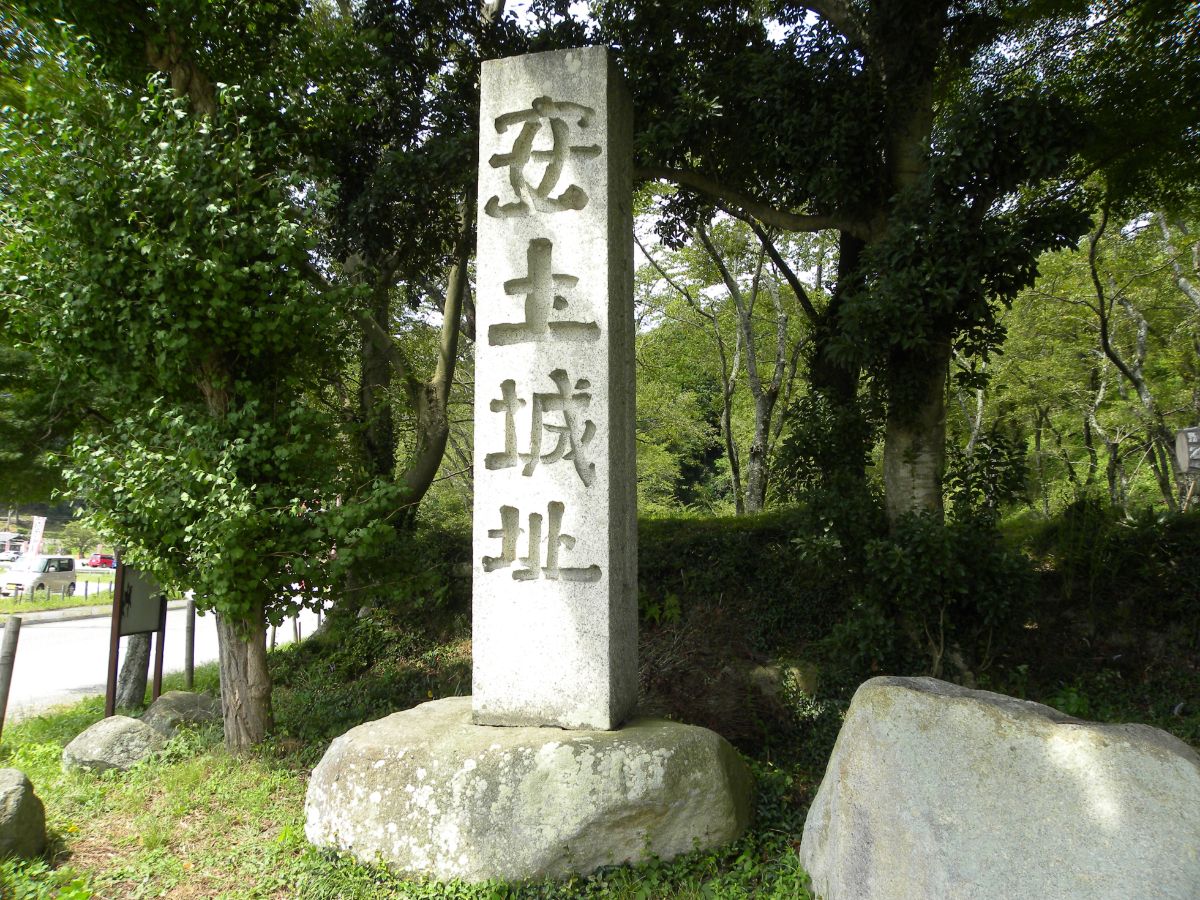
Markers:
point(176, 708)
point(22, 816)
point(117, 742)
point(936, 791)
point(427, 792)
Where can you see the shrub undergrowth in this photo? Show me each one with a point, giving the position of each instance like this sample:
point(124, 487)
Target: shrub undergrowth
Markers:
point(1098, 619)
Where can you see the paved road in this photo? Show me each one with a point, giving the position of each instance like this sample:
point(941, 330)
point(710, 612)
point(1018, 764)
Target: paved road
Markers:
point(61, 662)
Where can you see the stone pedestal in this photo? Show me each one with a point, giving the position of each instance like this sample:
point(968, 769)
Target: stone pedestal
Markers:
point(427, 792)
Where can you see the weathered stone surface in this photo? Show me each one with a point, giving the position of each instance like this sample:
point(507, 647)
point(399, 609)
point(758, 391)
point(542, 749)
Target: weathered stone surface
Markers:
point(936, 791)
point(175, 708)
point(426, 791)
point(555, 521)
point(22, 816)
point(117, 742)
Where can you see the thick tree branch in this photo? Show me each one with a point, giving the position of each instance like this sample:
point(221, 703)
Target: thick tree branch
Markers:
point(433, 425)
point(682, 291)
point(838, 14)
point(1181, 281)
point(1102, 301)
point(782, 267)
point(764, 212)
point(456, 291)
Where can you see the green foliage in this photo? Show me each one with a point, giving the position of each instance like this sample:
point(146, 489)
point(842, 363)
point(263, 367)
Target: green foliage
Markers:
point(747, 564)
point(955, 591)
point(37, 880)
point(79, 537)
point(990, 476)
point(715, 371)
point(970, 261)
point(364, 668)
point(177, 252)
point(217, 506)
point(827, 448)
point(1092, 428)
point(38, 414)
point(160, 257)
point(1132, 578)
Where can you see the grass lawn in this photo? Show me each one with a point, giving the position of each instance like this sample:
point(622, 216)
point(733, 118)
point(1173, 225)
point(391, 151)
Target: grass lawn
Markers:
point(199, 823)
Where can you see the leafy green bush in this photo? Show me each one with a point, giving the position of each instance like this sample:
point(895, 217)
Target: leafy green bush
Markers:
point(955, 591)
point(1130, 579)
point(748, 565)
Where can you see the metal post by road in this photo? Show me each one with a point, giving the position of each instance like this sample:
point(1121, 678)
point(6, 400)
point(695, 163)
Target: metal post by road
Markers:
point(189, 645)
point(8, 655)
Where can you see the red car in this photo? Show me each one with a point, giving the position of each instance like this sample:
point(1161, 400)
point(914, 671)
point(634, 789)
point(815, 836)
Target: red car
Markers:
point(102, 560)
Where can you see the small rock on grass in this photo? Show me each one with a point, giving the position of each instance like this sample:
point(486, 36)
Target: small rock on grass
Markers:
point(117, 742)
point(22, 816)
point(176, 708)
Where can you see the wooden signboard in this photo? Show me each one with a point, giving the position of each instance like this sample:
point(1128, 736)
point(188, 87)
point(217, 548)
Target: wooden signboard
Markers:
point(139, 607)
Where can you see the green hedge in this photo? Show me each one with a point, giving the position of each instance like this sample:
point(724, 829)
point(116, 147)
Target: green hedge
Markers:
point(750, 565)
point(1126, 574)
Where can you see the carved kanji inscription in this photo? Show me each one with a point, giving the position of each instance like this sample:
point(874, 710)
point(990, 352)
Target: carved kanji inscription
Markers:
point(545, 292)
point(573, 432)
point(539, 195)
point(532, 567)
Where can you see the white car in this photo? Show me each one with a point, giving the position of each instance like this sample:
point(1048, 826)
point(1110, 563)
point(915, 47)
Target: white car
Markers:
point(7, 556)
point(32, 574)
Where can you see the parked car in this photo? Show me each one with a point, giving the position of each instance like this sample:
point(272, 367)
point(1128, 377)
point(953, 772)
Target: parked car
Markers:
point(102, 560)
point(32, 574)
point(7, 556)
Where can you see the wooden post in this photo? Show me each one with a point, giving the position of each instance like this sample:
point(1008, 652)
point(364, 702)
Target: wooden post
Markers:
point(189, 645)
point(114, 644)
point(158, 650)
point(8, 655)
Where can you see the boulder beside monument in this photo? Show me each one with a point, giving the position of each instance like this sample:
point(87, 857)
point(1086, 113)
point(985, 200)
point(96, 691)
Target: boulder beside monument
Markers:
point(543, 772)
point(934, 790)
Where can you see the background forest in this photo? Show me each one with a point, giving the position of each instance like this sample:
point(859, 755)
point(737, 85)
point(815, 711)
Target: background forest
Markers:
point(918, 319)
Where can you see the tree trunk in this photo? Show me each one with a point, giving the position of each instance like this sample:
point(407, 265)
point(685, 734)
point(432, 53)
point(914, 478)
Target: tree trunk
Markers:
point(1114, 472)
point(245, 681)
point(375, 409)
point(914, 451)
point(131, 683)
point(836, 381)
point(756, 463)
point(1039, 456)
point(1161, 453)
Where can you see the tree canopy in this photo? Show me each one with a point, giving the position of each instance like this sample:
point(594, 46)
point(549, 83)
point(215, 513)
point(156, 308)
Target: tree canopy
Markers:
point(235, 262)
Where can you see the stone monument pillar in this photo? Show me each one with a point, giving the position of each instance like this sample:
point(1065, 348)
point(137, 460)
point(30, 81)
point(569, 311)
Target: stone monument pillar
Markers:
point(439, 790)
point(555, 542)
